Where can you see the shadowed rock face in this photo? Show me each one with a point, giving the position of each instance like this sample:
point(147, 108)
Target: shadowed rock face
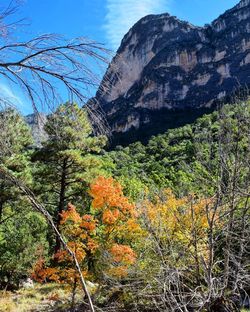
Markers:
point(36, 123)
point(167, 72)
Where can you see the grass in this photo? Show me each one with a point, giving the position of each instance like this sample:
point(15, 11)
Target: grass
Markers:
point(48, 297)
point(41, 298)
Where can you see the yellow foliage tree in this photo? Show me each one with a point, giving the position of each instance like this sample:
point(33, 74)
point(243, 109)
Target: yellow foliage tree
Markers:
point(177, 229)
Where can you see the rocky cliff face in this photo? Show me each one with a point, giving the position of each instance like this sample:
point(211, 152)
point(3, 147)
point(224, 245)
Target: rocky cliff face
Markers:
point(168, 72)
point(36, 122)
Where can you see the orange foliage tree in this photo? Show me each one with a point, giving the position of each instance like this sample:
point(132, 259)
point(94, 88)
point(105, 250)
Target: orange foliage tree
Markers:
point(102, 239)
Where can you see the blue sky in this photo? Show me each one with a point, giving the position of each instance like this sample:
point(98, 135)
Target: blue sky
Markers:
point(107, 21)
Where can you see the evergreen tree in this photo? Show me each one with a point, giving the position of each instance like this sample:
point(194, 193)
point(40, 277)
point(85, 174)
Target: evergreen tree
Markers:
point(22, 231)
point(68, 160)
point(15, 139)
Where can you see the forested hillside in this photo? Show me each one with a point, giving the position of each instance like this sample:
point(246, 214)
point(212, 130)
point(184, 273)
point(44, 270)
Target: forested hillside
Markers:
point(156, 227)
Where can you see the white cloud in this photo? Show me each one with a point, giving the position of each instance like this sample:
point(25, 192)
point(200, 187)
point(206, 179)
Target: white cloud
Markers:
point(8, 96)
point(123, 14)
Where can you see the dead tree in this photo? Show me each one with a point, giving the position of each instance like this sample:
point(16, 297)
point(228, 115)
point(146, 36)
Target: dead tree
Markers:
point(226, 172)
point(47, 65)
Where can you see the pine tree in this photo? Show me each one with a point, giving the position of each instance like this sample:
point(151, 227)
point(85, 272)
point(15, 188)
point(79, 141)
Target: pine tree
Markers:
point(22, 231)
point(68, 160)
point(15, 139)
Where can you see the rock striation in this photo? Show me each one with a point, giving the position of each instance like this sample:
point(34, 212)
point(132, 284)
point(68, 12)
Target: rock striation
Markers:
point(168, 72)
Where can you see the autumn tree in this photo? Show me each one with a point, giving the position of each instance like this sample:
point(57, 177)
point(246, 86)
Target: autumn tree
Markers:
point(173, 251)
point(102, 238)
point(117, 218)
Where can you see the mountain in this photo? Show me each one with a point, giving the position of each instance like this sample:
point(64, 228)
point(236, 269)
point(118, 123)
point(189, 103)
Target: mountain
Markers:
point(36, 123)
point(167, 72)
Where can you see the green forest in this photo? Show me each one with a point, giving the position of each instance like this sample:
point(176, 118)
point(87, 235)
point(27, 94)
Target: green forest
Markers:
point(156, 227)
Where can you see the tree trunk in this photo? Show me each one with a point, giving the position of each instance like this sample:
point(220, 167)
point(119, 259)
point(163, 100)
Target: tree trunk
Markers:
point(61, 203)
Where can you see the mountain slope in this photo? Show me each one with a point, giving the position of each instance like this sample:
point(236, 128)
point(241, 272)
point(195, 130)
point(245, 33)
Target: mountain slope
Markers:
point(167, 72)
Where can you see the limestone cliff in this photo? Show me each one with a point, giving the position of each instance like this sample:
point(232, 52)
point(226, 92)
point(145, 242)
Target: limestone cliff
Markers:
point(168, 71)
